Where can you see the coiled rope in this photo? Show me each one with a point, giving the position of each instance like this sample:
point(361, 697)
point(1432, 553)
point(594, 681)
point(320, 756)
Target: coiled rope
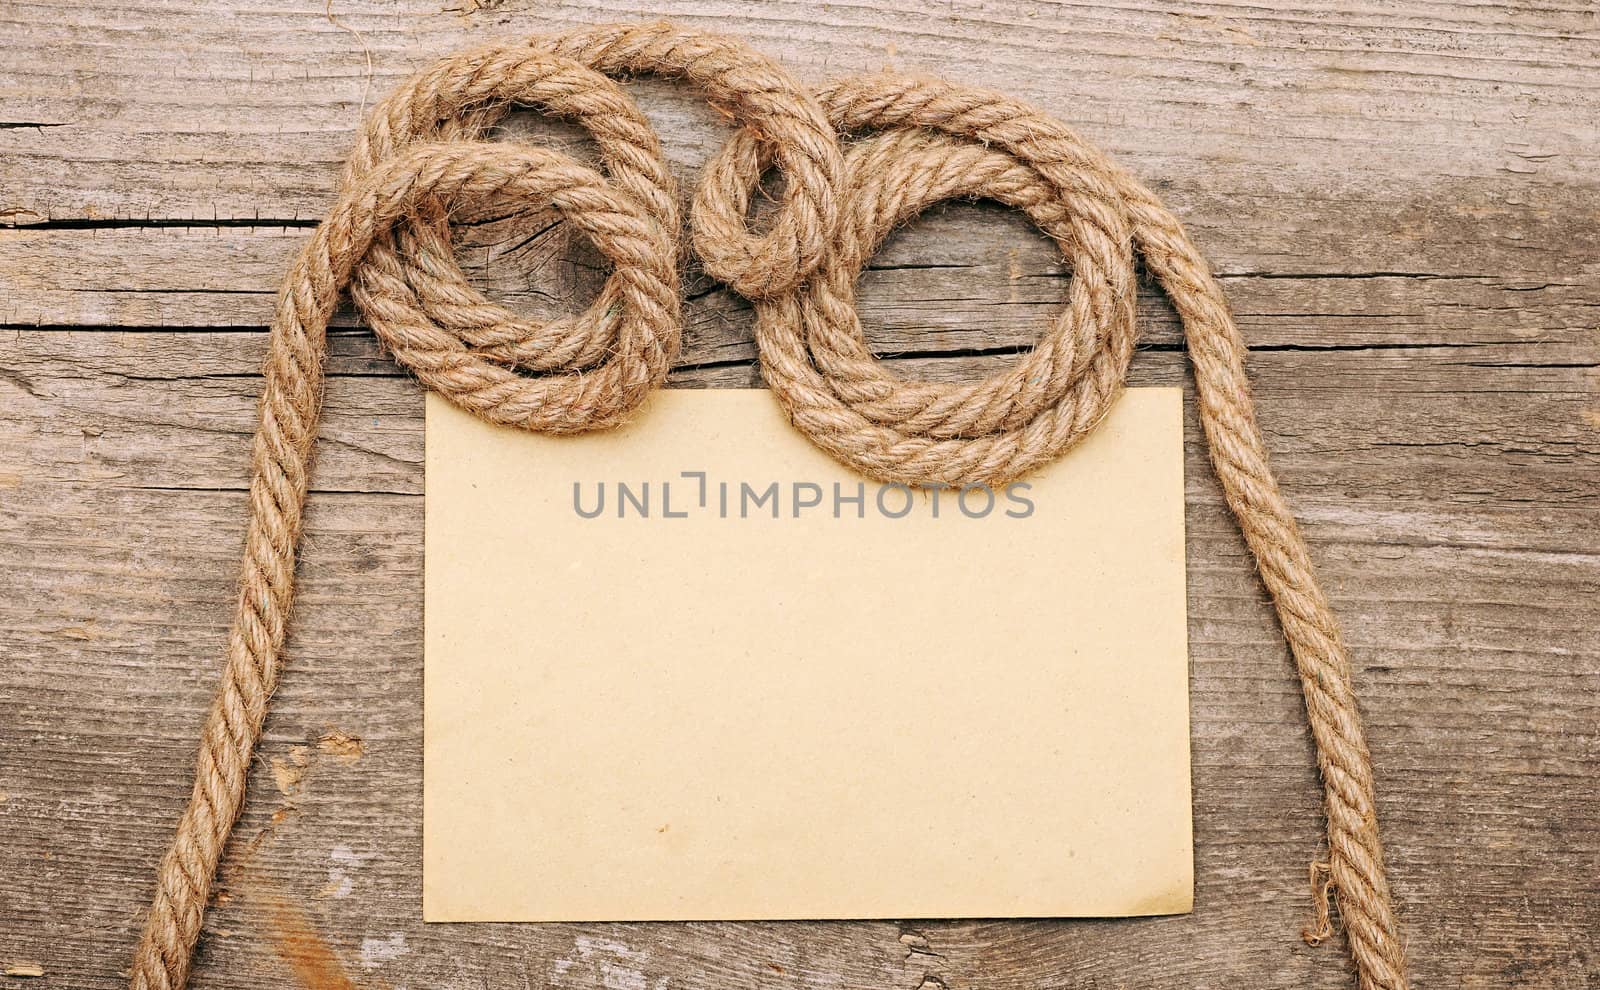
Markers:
point(386, 238)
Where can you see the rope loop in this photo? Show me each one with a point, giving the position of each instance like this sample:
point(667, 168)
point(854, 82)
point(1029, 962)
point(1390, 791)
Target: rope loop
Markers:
point(595, 367)
point(814, 351)
point(422, 153)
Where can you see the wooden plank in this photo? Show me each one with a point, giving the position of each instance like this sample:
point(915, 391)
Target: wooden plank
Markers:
point(125, 511)
point(962, 277)
point(1402, 205)
point(1290, 139)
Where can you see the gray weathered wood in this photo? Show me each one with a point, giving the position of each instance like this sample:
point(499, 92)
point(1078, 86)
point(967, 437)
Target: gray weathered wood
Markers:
point(1404, 209)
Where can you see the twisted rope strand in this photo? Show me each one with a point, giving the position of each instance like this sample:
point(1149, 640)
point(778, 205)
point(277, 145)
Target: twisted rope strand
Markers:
point(387, 239)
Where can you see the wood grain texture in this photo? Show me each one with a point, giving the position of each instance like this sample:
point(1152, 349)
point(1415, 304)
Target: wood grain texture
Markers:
point(1402, 203)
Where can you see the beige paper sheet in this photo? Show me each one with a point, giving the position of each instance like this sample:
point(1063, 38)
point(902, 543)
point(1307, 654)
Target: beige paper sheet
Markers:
point(702, 717)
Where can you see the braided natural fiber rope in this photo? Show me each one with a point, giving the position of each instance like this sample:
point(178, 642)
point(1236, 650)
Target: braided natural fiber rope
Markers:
point(386, 238)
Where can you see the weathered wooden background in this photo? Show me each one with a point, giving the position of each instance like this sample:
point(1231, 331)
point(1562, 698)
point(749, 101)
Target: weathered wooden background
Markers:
point(1403, 202)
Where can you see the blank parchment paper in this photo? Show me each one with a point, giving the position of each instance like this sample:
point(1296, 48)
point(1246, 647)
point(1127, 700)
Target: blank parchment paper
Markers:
point(757, 696)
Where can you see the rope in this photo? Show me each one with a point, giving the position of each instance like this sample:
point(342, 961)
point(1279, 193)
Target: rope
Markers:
point(386, 238)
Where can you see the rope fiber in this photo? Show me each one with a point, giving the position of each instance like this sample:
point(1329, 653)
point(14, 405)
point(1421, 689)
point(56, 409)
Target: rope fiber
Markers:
point(917, 141)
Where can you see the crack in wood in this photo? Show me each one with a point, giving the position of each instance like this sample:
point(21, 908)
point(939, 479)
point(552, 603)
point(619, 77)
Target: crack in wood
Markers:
point(155, 223)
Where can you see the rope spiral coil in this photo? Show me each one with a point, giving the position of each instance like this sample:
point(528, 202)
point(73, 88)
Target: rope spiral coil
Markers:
point(386, 238)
